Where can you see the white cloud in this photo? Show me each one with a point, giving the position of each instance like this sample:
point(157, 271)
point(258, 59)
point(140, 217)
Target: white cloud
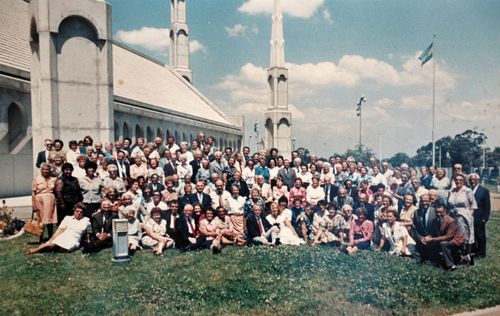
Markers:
point(196, 46)
point(153, 39)
point(237, 30)
point(296, 8)
point(327, 15)
point(255, 29)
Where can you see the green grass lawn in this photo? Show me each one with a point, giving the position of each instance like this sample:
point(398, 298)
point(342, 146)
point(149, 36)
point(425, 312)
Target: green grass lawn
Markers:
point(249, 280)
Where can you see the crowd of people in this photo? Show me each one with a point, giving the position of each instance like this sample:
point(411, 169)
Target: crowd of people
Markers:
point(195, 196)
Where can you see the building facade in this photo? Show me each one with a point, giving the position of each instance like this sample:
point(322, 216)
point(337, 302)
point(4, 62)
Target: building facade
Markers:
point(62, 76)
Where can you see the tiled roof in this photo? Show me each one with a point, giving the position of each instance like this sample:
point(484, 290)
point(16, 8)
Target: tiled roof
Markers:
point(15, 50)
point(141, 79)
point(135, 77)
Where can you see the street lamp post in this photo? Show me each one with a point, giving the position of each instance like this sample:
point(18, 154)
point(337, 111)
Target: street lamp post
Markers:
point(380, 147)
point(358, 109)
point(293, 143)
point(256, 130)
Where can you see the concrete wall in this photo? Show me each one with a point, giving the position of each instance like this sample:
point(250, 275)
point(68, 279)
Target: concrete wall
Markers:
point(15, 138)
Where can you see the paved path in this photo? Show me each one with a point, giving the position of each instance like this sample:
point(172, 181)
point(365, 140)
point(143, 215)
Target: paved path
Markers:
point(492, 311)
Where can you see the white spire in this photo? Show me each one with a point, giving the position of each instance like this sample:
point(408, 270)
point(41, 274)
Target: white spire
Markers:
point(179, 39)
point(277, 40)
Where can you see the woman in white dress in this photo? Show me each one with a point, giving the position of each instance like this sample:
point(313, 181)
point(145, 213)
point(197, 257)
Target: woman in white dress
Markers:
point(69, 234)
point(287, 234)
point(315, 193)
point(396, 234)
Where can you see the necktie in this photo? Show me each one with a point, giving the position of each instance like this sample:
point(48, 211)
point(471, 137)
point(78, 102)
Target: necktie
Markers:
point(261, 230)
point(191, 226)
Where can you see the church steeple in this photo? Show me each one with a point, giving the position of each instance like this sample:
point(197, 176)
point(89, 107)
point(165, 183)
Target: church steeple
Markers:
point(277, 40)
point(179, 39)
point(278, 117)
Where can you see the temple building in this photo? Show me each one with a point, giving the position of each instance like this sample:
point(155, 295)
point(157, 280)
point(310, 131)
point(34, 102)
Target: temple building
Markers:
point(63, 76)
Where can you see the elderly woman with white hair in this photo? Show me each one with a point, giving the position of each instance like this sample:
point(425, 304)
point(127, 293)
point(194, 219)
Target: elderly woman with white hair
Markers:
point(184, 169)
point(113, 181)
point(139, 168)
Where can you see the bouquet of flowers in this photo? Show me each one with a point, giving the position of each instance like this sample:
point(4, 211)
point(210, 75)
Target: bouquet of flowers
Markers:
point(8, 225)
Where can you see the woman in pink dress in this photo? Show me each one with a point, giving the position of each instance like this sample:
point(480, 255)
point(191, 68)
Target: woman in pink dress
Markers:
point(44, 200)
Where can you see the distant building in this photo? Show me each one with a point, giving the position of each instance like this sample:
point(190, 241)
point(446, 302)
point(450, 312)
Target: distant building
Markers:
point(278, 118)
point(62, 76)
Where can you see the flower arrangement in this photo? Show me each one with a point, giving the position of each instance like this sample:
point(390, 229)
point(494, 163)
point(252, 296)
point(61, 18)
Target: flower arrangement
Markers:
point(8, 225)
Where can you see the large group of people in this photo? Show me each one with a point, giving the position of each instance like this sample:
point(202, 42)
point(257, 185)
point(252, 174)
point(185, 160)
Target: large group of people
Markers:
point(195, 196)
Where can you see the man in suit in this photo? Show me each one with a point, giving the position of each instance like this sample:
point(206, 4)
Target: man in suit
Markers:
point(170, 215)
point(102, 229)
point(287, 174)
point(43, 156)
point(446, 240)
point(242, 185)
point(260, 231)
point(481, 214)
point(195, 164)
point(158, 146)
point(199, 196)
point(168, 164)
point(122, 164)
point(217, 165)
point(363, 203)
point(187, 236)
point(423, 227)
point(155, 185)
point(331, 191)
point(343, 199)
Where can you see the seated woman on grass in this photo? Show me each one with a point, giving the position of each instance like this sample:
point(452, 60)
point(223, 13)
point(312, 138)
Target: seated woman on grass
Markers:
point(395, 234)
point(331, 229)
point(156, 236)
point(69, 234)
point(360, 233)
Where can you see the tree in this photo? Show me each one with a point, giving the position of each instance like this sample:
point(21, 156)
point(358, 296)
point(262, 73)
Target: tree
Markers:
point(466, 149)
point(304, 154)
point(399, 159)
point(363, 155)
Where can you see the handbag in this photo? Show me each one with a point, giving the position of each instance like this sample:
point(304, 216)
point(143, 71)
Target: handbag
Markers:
point(33, 226)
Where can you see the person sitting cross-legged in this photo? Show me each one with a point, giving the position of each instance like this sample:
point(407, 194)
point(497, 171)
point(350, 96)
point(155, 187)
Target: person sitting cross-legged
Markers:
point(260, 231)
point(69, 234)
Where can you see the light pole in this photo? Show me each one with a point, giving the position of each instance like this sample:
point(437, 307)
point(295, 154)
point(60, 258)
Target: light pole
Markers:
point(256, 130)
point(293, 143)
point(358, 109)
point(380, 147)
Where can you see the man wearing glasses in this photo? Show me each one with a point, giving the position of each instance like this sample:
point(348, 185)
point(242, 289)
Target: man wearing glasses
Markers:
point(43, 156)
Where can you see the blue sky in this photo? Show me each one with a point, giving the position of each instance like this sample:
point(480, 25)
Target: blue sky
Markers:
point(337, 51)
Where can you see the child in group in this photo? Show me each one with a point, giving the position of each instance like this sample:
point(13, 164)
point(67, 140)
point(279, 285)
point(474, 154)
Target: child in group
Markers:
point(134, 231)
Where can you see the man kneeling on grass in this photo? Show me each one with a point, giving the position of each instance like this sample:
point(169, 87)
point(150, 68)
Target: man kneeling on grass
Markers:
point(446, 240)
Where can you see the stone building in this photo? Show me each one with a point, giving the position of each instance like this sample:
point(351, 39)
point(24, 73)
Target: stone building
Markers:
point(62, 76)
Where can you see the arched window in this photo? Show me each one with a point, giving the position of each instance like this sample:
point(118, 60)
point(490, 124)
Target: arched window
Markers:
point(117, 131)
point(159, 132)
point(138, 132)
point(126, 131)
point(149, 134)
point(15, 122)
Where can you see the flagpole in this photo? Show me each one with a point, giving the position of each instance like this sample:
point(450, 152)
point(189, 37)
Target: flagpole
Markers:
point(433, 99)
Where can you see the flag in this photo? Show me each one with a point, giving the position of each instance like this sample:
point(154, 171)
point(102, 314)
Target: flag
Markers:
point(426, 54)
